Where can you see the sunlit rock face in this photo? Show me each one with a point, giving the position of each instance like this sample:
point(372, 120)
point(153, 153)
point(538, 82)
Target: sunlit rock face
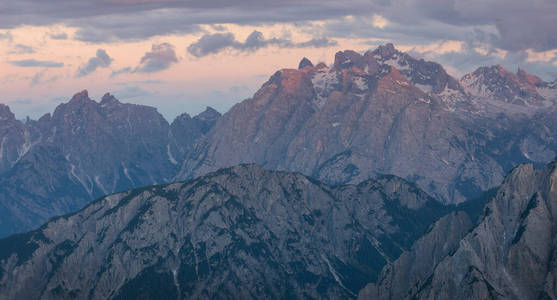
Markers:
point(383, 112)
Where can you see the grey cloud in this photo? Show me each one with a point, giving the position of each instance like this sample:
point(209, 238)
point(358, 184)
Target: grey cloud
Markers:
point(59, 36)
point(55, 11)
point(22, 49)
point(131, 92)
point(121, 71)
point(554, 59)
point(36, 63)
point(160, 58)
point(211, 43)
point(538, 32)
point(426, 32)
point(215, 43)
point(107, 21)
point(113, 28)
point(469, 59)
point(41, 78)
point(519, 25)
point(218, 27)
point(101, 60)
point(513, 25)
point(6, 36)
point(317, 43)
point(142, 82)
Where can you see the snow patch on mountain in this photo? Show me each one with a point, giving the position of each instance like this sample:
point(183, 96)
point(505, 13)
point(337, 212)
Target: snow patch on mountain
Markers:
point(361, 83)
point(425, 88)
point(396, 62)
point(324, 82)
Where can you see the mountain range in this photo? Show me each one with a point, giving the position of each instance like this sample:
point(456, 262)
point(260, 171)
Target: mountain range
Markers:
point(245, 232)
point(85, 150)
point(378, 177)
point(383, 112)
point(241, 232)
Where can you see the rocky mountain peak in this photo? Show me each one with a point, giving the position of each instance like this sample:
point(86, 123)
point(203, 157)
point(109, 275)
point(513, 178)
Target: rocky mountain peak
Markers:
point(428, 76)
point(6, 113)
point(489, 72)
point(109, 99)
point(346, 59)
point(208, 115)
point(184, 117)
point(349, 59)
point(305, 62)
point(290, 81)
point(79, 103)
point(81, 96)
point(502, 71)
point(387, 51)
point(187, 130)
point(322, 65)
point(496, 83)
point(45, 118)
point(319, 122)
point(530, 79)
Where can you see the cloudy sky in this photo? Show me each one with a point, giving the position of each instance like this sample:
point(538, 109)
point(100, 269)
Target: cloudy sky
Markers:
point(181, 56)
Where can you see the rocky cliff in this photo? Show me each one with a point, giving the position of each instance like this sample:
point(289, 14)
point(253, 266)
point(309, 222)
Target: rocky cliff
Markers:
point(383, 112)
point(509, 254)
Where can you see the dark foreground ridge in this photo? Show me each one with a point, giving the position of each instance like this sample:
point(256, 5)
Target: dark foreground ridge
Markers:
point(510, 254)
point(241, 232)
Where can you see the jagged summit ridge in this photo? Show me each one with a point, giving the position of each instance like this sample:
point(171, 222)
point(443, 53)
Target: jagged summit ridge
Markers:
point(84, 150)
point(83, 95)
point(380, 112)
point(5, 113)
point(109, 99)
point(305, 62)
point(208, 115)
point(476, 92)
point(430, 77)
point(496, 83)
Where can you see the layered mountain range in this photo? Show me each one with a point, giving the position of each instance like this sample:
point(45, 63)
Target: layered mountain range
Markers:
point(381, 112)
point(84, 150)
point(239, 233)
point(379, 177)
point(244, 232)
